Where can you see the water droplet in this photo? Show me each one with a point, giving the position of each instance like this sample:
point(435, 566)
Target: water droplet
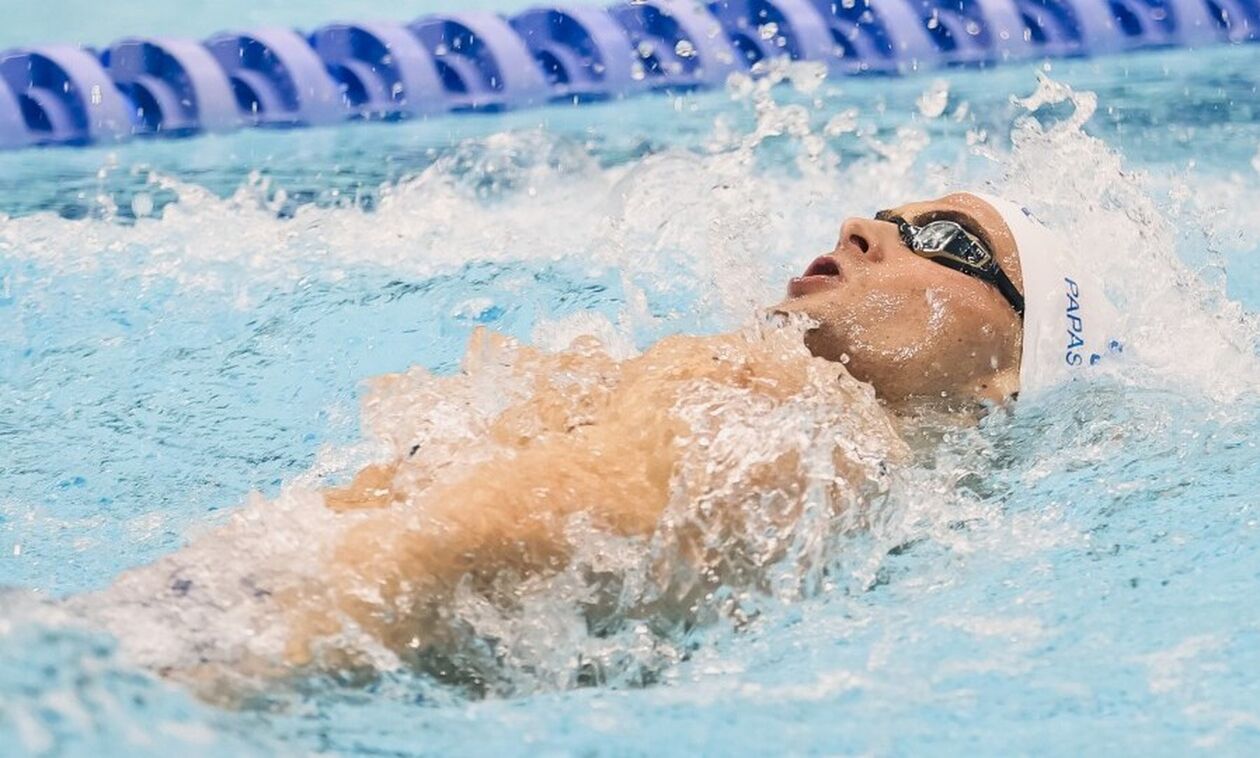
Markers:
point(636, 71)
point(768, 31)
point(972, 28)
point(740, 86)
point(806, 76)
point(645, 49)
point(842, 123)
point(142, 205)
point(932, 102)
point(684, 49)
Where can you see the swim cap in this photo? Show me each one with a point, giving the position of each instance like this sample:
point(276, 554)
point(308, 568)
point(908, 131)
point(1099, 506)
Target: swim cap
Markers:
point(1070, 327)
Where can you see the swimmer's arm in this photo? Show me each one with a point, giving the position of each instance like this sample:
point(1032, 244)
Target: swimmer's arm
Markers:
point(395, 574)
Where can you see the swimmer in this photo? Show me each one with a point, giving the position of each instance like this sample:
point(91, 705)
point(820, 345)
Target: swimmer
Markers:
point(717, 456)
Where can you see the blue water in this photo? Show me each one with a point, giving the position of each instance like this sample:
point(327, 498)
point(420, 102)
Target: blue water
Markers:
point(184, 323)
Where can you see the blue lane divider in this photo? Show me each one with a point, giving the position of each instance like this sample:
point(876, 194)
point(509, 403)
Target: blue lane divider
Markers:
point(975, 31)
point(13, 128)
point(1237, 19)
point(382, 70)
point(678, 45)
point(583, 52)
point(175, 86)
point(482, 61)
point(1054, 28)
point(65, 96)
point(277, 79)
point(887, 38)
point(760, 30)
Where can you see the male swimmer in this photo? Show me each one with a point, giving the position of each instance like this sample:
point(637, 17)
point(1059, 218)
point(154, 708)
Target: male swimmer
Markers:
point(717, 457)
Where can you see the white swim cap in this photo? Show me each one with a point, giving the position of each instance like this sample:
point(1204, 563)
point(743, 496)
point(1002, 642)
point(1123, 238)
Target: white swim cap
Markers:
point(1069, 324)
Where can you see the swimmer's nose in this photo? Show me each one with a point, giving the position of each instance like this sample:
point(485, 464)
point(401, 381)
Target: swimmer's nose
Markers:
point(863, 237)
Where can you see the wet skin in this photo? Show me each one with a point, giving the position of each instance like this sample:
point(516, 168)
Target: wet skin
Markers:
point(611, 443)
point(910, 327)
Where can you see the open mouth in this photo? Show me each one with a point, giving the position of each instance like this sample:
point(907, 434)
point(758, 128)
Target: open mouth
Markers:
point(823, 273)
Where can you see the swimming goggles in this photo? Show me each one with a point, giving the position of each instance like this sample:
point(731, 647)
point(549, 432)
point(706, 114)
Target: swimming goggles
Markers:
point(952, 246)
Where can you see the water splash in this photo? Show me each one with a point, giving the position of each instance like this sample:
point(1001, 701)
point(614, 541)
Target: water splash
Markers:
point(1182, 329)
point(722, 225)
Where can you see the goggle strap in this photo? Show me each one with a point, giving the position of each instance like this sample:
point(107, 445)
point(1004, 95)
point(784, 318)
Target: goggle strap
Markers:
point(1008, 290)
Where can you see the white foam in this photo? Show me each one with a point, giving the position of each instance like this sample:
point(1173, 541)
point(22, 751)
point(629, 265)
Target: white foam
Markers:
point(1180, 330)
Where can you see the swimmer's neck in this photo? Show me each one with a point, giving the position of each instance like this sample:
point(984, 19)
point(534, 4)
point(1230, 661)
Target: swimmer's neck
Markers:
point(968, 406)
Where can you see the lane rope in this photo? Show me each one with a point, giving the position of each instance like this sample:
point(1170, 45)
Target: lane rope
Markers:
point(479, 60)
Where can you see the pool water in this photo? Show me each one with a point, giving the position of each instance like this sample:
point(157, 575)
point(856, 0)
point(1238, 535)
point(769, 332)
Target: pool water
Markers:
point(185, 323)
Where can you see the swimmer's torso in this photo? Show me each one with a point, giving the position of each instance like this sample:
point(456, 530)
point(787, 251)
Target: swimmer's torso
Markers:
point(707, 460)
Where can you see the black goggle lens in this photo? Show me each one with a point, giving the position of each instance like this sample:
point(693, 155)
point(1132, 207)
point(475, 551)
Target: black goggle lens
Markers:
point(936, 236)
point(951, 245)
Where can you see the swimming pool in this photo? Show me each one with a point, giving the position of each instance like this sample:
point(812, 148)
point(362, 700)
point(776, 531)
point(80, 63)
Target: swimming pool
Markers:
point(186, 322)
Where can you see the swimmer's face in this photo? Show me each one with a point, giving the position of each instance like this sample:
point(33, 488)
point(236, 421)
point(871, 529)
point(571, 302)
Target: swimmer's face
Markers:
point(909, 326)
